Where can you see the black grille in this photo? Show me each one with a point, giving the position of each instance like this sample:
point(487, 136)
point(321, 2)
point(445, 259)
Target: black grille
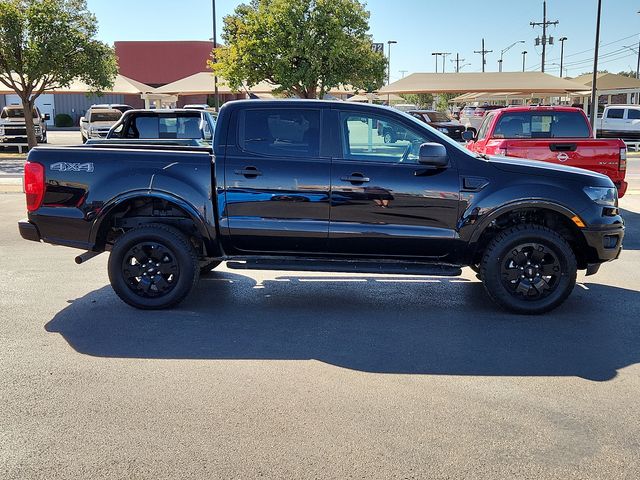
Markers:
point(21, 130)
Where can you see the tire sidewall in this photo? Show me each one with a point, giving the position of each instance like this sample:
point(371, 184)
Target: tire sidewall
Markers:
point(179, 247)
point(492, 275)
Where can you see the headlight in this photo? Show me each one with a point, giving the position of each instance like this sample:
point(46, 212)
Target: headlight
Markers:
point(1, 130)
point(443, 130)
point(607, 196)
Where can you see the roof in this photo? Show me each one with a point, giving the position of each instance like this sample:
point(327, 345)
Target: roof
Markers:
point(202, 83)
point(105, 110)
point(523, 82)
point(608, 81)
point(122, 85)
point(542, 109)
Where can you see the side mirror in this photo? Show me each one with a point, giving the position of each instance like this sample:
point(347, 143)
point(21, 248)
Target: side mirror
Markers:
point(433, 154)
point(469, 134)
point(83, 120)
point(46, 117)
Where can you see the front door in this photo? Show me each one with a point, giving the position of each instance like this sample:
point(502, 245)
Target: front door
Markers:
point(277, 182)
point(383, 202)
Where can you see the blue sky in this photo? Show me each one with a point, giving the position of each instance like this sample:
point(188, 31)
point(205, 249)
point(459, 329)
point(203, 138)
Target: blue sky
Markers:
point(421, 27)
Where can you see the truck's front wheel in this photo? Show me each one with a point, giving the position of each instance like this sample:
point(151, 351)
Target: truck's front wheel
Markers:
point(529, 269)
point(153, 267)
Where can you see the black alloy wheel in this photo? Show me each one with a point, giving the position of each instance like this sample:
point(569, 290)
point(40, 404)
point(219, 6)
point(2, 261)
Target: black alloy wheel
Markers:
point(528, 269)
point(153, 266)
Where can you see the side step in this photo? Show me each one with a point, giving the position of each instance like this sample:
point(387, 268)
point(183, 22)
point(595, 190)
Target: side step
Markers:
point(347, 266)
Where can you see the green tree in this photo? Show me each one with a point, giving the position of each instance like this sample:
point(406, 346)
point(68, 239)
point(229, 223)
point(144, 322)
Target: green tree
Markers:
point(421, 100)
point(304, 47)
point(442, 102)
point(45, 45)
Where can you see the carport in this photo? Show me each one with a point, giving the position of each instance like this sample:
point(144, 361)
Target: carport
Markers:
point(488, 85)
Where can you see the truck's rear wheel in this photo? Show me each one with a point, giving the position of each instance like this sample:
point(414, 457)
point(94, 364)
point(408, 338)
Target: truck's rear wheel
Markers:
point(153, 267)
point(529, 269)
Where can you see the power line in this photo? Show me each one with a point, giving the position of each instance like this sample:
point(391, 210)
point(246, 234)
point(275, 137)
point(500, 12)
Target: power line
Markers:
point(483, 52)
point(544, 24)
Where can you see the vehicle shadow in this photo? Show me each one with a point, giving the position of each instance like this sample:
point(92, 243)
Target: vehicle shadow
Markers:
point(632, 229)
point(378, 325)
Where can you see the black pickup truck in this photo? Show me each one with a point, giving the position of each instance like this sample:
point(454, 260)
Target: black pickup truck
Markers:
point(312, 185)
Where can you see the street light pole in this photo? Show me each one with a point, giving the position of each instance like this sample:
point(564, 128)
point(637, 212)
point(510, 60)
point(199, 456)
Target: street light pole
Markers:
point(505, 50)
point(390, 42)
point(594, 98)
point(562, 39)
point(216, 96)
point(524, 57)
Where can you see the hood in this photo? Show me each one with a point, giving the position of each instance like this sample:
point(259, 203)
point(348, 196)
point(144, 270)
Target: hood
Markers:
point(536, 167)
point(446, 124)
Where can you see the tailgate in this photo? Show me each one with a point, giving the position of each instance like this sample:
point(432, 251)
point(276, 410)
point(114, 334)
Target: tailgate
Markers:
point(597, 155)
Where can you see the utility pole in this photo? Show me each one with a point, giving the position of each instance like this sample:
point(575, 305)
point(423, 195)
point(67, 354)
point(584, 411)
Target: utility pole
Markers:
point(544, 24)
point(403, 72)
point(444, 56)
point(216, 96)
point(594, 96)
point(458, 61)
point(524, 59)
point(562, 40)
point(436, 54)
point(483, 52)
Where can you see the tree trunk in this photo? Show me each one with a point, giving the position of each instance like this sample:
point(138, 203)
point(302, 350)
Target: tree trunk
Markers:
point(27, 104)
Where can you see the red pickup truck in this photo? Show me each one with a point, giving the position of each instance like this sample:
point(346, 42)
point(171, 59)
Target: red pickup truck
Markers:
point(560, 135)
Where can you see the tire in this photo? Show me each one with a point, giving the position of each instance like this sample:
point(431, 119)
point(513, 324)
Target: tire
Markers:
point(153, 267)
point(211, 265)
point(529, 269)
point(389, 136)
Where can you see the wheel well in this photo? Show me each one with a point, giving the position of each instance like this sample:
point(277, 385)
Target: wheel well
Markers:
point(143, 210)
point(537, 216)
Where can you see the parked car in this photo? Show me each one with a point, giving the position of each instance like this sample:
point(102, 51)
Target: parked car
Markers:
point(115, 106)
point(441, 122)
point(97, 122)
point(282, 193)
point(619, 121)
point(177, 124)
point(13, 129)
point(471, 117)
point(560, 135)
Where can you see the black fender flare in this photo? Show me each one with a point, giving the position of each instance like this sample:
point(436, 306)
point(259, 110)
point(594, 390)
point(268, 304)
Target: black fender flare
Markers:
point(115, 202)
point(529, 203)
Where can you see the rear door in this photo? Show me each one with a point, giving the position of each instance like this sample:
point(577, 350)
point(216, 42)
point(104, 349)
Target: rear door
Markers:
point(276, 181)
point(613, 124)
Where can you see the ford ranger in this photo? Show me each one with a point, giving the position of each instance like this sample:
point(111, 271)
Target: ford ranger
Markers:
point(311, 186)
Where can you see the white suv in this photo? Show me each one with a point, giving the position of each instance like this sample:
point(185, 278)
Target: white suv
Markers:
point(97, 122)
point(13, 129)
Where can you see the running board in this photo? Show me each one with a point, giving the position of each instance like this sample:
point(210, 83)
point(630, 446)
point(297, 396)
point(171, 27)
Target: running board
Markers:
point(338, 266)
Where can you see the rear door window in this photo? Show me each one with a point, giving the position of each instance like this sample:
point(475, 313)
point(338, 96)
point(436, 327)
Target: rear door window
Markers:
point(288, 132)
point(633, 114)
point(615, 113)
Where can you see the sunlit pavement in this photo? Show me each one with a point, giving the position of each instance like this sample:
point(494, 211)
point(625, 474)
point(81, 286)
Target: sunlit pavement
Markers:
point(287, 375)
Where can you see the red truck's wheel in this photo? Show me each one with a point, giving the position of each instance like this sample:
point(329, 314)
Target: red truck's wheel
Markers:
point(529, 269)
point(153, 267)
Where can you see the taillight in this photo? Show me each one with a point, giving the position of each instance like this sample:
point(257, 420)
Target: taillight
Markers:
point(34, 185)
point(622, 164)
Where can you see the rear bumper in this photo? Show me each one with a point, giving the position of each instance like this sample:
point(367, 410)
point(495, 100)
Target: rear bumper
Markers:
point(606, 242)
point(622, 187)
point(29, 231)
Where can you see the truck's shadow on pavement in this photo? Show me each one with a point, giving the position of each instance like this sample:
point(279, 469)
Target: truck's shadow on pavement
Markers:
point(365, 324)
point(632, 229)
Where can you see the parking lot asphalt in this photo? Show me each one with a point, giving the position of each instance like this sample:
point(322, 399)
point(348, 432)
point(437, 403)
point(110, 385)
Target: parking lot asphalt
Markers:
point(289, 375)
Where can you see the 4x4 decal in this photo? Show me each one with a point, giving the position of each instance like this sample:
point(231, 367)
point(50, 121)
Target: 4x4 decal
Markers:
point(72, 167)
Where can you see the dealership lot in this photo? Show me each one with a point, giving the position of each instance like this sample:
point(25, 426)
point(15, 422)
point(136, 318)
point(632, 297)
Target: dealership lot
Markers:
point(286, 375)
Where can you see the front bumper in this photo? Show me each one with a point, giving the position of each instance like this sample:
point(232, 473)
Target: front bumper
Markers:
point(606, 242)
point(29, 231)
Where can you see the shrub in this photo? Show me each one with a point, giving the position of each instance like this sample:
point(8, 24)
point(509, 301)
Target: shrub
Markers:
point(63, 120)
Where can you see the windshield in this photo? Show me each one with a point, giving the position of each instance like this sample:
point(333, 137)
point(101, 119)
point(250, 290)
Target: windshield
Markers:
point(542, 125)
point(15, 113)
point(105, 116)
